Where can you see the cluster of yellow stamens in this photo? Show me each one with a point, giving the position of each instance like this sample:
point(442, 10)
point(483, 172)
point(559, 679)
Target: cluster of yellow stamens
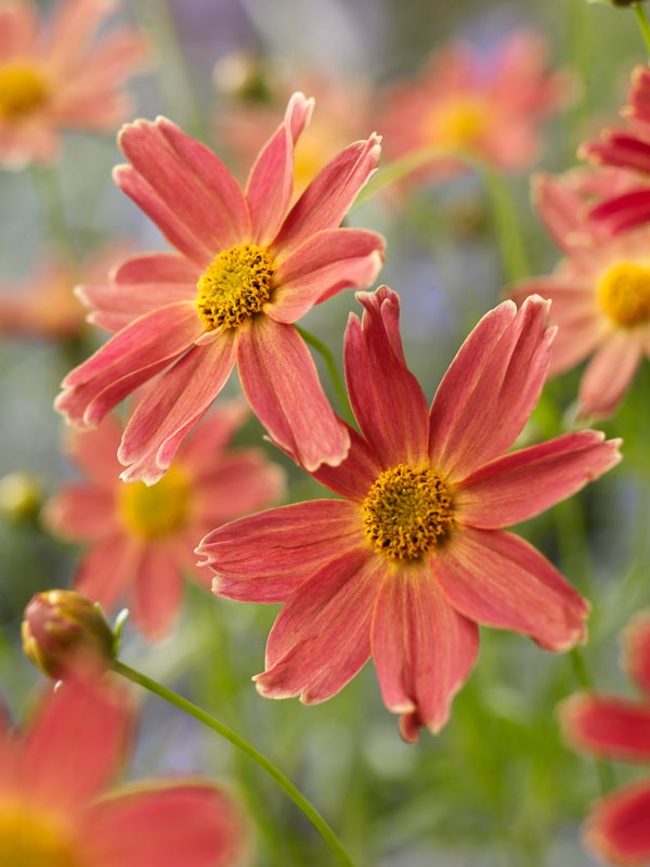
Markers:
point(235, 286)
point(158, 510)
point(460, 124)
point(30, 840)
point(623, 292)
point(407, 511)
point(23, 88)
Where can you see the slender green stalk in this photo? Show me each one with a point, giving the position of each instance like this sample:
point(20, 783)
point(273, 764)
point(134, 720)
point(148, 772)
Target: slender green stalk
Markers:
point(398, 170)
point(507, 225)
point(236, 740)
point(49, 190)
point(644, 26)
point(333, 371)
point(604, 770)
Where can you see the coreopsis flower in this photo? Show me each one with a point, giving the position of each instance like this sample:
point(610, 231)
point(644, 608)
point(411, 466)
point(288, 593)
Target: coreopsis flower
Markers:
point(618, 828)
point(626, 148)
point(600, 290)
point(415, 555)
point(248, 267)
point(58, 809)
point(490, 107)
point(56, 76)
point(141, 539)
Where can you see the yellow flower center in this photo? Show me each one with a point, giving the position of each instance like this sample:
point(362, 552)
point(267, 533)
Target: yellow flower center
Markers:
point(459, 124)
point(23, 88)
point(406, 512)
point(623, 293)
point(28, 839)
point(158, 510)
point(235, 286)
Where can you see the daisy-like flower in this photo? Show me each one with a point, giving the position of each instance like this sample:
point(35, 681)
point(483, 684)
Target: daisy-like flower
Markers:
point(414, 557)
point(57, 807)
point(618, 828)
point(55, 77)
point(248, 267)
point(141, 539)
point(627, 148)
point(488, 106)
point(600, 291)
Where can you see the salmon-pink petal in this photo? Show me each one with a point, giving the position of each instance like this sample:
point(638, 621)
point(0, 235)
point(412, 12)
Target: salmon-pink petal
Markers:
point(321, 638)
point(637, 650)
point(270, 182)
point(87, 720)
point(108, 569)
point(618, 829)
point(18, 28)
point(500, 580)
point(73, 27)
point(81, 513)
point(609, 374)
point(422, 648)
point(265, 557)
point(331, 260)
point(95, 452)
point(352, 478)
point(330, 195)
point(213, 435)
point(243, 482)
point(386, 398)
point(165, 824)
point(490, 388)
point(280, 381)
point(157, 591)
point(171, 406)
point(610, 727)
point(523, 484)
point(558, 202)
point(154, 339)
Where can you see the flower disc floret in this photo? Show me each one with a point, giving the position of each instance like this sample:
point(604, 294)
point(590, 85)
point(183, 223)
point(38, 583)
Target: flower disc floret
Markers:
point(235, 286)
point(624, 293)
point(27, 840)
point(157, 510)
point(407, 511)
point(23, 89)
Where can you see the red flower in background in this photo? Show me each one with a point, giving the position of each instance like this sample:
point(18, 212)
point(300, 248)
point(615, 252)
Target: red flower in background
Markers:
point(142, 539)
point(618, 828)
point(57, 807)
point(414, 557)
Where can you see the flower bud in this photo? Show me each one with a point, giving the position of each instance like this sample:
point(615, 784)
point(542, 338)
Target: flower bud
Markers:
point(242, 76)
point(61, 626)
point(20, 497)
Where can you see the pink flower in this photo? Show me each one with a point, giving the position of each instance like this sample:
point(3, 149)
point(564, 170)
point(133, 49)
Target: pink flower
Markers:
point(141, 539)
point(57, 807)
point(248, 268)
point(54, 77)
point(616, 728)
point(414, 557)
point(600, 291)
point(488, 107)
point(629, 149)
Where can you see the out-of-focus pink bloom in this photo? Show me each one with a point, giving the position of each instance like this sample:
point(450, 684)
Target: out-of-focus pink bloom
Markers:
point(248, 267)
point(343, 115)
point(487, 107)
point(57, 808)
point(628, 149)
point(414, 557)
point(600, 291)
point(46, 306)
point(618, 828)
point(56, 77)
point(142, 538)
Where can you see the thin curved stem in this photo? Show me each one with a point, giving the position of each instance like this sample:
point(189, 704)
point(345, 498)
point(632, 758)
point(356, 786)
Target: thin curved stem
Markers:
point(332, 369)
point(644, 26)
point(236, 740)
point(49, 190)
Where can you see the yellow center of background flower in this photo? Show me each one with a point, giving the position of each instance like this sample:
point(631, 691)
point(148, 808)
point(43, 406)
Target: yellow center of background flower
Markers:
point(235, 286)
point(30, 840)
point(406, 512)
point(158, 510)
point(459, 124)
point(623, 293)
point(23, 88)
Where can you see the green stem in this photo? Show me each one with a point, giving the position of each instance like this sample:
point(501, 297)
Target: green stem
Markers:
point(398, 170)
point(226, 732)
point(605, 772)
point(333, 371)
point(644, 26)
point(49, 189)
point(507, 225)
